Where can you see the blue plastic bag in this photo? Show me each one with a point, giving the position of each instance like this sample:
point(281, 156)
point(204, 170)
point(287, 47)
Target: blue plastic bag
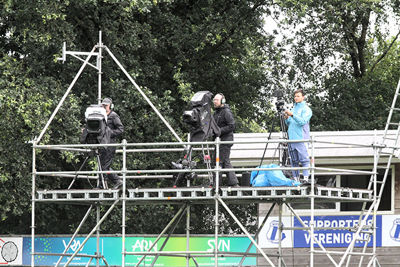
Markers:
point(270, 178)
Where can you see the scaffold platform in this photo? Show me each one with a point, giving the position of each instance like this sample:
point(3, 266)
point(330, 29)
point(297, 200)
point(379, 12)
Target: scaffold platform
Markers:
point(204, 195)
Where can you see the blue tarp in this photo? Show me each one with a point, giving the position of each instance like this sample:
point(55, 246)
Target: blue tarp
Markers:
point(270, 178)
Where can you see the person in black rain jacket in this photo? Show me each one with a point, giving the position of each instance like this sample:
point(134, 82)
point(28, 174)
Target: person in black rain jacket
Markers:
point(224, 118)
point(116, 128)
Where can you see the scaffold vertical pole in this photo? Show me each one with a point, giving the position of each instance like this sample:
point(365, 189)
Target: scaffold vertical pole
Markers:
point(312, 196)
point(216, 184)
point(33, 203)
point(187, 234)
point(97, 235)
point(124, 142)
point(280, 235)
point(308, 229)
point(99, 67)
point(376, 159)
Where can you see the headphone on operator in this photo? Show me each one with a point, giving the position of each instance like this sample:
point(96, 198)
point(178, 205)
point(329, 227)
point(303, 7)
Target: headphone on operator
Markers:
point(111, 102)
point(223, 100)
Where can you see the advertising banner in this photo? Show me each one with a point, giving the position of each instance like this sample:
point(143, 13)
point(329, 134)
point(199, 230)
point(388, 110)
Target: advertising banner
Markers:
point(269, 237)
point(391, 231)
point(269, 234)
point(334, 238)
point(11, 251)
point(111, 247)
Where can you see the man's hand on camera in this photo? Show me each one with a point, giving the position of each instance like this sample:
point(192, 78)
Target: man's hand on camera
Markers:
point(288, 113)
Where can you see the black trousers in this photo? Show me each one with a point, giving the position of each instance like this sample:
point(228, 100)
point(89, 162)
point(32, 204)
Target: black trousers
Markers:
point(225, 163)
point(106, 158)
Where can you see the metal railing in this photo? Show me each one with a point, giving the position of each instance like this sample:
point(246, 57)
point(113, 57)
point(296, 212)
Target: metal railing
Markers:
point(217, 196)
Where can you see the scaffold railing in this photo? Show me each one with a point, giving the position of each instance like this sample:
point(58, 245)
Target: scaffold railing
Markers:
point(219, 196)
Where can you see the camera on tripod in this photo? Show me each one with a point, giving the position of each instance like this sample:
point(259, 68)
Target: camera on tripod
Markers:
point(95, 131)
point(280, 102)
point(202, 127)
point(199, 118)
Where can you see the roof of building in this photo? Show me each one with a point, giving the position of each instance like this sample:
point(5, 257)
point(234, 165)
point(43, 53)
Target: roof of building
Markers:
point(331, 147)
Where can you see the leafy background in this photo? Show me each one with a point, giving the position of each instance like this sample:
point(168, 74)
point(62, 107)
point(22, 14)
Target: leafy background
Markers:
point(340, 52)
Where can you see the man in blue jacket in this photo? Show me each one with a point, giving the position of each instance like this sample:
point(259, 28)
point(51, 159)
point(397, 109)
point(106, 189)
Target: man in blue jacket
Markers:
point(298, 120)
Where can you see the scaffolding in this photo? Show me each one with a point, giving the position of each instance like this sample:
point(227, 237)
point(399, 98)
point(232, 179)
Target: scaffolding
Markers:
point(187, 196)
point(218, 196)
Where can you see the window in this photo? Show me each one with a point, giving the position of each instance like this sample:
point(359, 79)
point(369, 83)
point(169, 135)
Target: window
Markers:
point(350, 181)
point(361, 181)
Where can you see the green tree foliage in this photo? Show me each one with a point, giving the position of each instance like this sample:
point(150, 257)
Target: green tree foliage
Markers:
point(171, 48)
point(338, 51)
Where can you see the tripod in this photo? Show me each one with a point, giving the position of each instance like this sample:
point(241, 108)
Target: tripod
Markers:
point(94, 153)
point(188, 164)
point(285, 151)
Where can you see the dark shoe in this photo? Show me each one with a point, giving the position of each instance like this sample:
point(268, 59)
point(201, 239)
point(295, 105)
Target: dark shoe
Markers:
point(118, 184)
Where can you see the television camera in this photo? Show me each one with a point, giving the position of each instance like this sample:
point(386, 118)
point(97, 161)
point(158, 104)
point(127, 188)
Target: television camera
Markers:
point(202, 127)
point(95, 132)
point(280, 102)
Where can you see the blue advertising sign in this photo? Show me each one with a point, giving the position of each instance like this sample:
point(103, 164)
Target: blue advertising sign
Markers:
point(335, 238)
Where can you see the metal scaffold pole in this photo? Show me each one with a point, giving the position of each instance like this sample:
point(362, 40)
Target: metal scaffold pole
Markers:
point(192, 195)
point(33, 203)
point(246, 232)
point(92, 231)
point(66, 94)
point(173, 221)
point(312, 198)
point(188, 235)
point(99, 67)
point(74, 235)
point(123, 201)
point(97, 235)
point(280, 259)
point(218, 196)
point(216, 185)
point(143, 94)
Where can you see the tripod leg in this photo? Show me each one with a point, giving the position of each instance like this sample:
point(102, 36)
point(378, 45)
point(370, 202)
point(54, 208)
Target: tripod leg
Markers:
point(207, 161)
point(181, 175)
point(80, 168)
point(101, 176)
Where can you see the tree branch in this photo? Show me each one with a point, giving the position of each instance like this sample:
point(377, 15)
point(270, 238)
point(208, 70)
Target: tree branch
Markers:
point(361, 41)
point(351, 41)
point(384, 53)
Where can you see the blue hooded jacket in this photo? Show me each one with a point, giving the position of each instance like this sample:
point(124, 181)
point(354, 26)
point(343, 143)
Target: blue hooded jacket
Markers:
point(299, 123)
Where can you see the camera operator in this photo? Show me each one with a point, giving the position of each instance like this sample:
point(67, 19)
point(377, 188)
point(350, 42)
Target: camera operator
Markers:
point(298, 121)
point(115, 127)
point(224, 118)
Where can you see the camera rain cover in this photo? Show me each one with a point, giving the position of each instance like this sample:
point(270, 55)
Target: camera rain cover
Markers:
point(95, 131)
point(199, 117)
